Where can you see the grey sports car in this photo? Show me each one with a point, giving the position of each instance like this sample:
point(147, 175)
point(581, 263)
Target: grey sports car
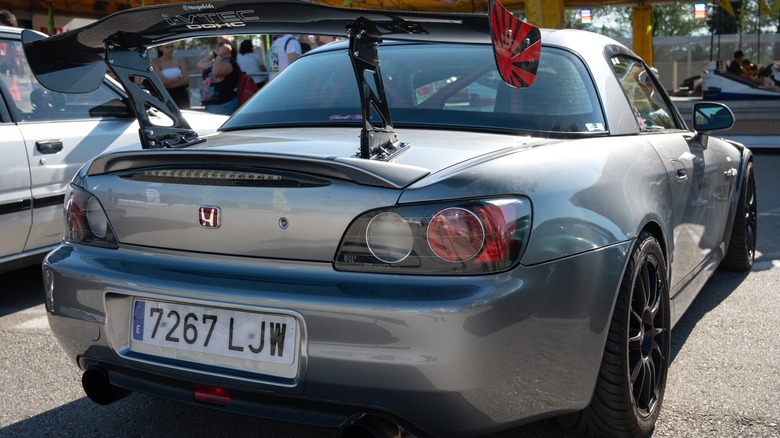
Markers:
point(499, 225)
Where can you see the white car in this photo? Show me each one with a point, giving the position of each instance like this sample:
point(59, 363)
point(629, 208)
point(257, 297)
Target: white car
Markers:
point(45, 137)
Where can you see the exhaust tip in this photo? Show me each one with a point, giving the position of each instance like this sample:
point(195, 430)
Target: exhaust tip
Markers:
point(99, 389)
point(372, 426)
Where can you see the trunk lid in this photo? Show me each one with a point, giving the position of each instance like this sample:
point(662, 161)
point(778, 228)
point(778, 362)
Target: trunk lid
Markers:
point(270, 194)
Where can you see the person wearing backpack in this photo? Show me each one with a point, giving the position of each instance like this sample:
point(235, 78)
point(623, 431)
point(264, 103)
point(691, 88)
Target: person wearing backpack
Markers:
point(251, 62)
point(220, 77)
point(284, 50)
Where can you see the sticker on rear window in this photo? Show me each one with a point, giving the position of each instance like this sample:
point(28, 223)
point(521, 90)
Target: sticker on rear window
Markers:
point(595, 127)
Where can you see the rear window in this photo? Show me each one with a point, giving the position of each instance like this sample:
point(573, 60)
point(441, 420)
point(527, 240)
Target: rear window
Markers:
point(431, 85)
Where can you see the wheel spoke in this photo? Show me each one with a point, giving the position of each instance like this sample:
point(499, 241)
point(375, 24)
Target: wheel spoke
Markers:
point(645, 286)
point(751, 217)
point(647, 335)
point(636, 370)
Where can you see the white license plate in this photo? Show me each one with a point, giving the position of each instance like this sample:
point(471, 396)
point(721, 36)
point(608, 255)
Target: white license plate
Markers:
point(258, 342)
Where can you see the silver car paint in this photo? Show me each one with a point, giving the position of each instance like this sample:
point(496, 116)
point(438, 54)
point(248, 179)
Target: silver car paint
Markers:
point(428, 340)
point(488, 350)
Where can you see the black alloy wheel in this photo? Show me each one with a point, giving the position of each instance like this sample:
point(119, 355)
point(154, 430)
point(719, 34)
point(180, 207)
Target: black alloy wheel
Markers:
point(632, 379)
point(742, 245)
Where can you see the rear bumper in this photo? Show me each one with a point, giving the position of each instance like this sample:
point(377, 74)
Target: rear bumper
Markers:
point(441, 356)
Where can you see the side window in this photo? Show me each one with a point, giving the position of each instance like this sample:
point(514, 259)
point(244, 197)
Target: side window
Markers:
point(640, 85)
point(34, 103)
point(12, 67)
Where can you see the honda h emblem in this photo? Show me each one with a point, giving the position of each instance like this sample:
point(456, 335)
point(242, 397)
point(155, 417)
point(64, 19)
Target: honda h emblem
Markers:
point(209, 217)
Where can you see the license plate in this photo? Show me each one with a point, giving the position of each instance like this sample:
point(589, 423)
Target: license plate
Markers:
point(258, 342)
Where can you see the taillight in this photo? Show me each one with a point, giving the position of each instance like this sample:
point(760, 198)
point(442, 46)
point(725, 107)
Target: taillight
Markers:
point(456, 235)
point(86, 221)
point(452, 238)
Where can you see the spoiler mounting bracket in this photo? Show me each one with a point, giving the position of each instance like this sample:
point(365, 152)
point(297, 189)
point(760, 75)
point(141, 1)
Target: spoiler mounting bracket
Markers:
point(377, 141)
point(128, 67)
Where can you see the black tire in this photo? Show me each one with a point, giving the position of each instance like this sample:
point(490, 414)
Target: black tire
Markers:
point(632, 379)
point(742, 244)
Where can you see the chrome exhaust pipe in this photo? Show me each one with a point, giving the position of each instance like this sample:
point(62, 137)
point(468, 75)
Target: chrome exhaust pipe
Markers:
point(372, 426)
point(99, 388)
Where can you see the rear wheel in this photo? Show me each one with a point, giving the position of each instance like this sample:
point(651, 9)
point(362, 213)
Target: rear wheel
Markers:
point(742, 244)
point(632, 379)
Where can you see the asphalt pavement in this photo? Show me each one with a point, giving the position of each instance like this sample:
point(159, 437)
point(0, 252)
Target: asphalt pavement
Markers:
point(724, 380)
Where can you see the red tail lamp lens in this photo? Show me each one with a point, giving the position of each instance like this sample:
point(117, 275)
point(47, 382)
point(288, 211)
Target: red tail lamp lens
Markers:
point(456, 235)
point(497, 244)
point(74, 222)
point(211, 394)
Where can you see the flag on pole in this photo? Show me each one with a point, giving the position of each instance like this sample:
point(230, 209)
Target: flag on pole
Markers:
point(726, 6)
point(763, 8)
point(50, 24)
point(742, 17)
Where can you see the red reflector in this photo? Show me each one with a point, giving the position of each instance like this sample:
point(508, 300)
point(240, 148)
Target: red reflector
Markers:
point(211, 394)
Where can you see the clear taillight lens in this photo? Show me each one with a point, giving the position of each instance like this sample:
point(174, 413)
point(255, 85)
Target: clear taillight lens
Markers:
point(453, 238)
point(86, 221)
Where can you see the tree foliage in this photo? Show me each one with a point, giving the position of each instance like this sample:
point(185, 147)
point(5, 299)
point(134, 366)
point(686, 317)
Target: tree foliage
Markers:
point(676, 19)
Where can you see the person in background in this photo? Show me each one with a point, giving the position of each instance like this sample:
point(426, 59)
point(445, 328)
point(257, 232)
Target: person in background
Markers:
point(220, 77)
point(10, 61)
point(251, 62)
point(284, 50)
point(735, 66)
point(7, 18)
point(173, 74)
point(321, 40)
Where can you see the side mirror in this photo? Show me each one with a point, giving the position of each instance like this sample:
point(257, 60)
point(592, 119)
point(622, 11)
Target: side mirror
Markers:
point(711, 116)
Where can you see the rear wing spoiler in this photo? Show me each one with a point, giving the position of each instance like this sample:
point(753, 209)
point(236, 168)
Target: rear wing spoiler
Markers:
point(75, 61)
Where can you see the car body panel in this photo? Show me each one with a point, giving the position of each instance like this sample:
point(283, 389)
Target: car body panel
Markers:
point(14, 191)
point(416, 347)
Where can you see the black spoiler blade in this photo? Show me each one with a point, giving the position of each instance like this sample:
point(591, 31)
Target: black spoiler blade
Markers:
point(78, 53)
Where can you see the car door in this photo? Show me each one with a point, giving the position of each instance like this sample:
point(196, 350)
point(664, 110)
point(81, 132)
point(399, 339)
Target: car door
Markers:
point(698, 176)
point(15, 197)
point(60, 133)
point(700, 185)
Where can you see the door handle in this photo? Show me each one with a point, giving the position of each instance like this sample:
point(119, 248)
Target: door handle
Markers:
point(680, 170)
point(48, 146)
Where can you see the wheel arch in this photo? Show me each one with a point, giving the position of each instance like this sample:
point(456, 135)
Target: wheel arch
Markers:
point(746, 157)
point(656, 230)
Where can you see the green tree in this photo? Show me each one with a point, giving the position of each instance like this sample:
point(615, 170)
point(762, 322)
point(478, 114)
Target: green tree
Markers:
point(676, 20)
point(612, 21)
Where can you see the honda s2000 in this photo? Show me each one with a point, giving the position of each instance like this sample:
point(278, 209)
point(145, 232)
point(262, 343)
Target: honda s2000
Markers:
point(493, 225)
